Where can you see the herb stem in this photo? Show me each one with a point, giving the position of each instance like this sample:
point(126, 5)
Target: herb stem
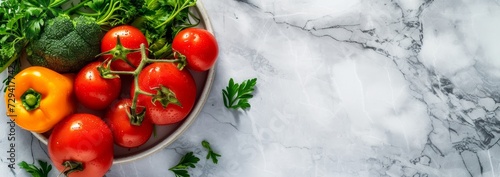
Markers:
point(109, 12)
point(87, 14)
point(171, 17)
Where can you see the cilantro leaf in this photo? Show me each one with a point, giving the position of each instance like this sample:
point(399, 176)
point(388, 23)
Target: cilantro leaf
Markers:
point(189, 160)
point(236, 95)
point(211, 154)
point(32, 169)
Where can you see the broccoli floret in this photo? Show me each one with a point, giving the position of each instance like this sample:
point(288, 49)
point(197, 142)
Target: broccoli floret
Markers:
point(88, 29)
point(58, 27)
point(66, 45)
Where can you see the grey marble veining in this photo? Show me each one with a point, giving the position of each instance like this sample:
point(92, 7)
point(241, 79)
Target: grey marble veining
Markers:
point(345, 88)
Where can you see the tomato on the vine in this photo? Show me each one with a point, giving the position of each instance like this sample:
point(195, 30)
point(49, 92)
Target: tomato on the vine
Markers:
point(198, 46)
point(173, 90)
point(92, 90)
point(130, 38)
point(125, 133)
point(81, 145)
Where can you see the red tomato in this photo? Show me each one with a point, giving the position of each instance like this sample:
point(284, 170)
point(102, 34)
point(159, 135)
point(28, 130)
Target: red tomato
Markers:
point(93, 91)
point(82, 138)
point(124, 133)
point(131, 38)
point(179, 82)
point(199, 46)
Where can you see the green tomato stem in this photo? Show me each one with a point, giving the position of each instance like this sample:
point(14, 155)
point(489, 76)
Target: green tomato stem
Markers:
point(122, 72)
point(72, 166)
point(136, 73)
point(145, 93)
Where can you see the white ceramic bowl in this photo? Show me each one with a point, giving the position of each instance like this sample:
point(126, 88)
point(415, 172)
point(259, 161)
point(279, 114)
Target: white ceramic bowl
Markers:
point(168, 134)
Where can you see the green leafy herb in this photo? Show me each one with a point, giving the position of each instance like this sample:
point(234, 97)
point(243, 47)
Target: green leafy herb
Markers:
point(189, 160)
point(236, 95)
point(32, 169)
point(211, 154)
point(22, 22)
point(17, 23)
point(161, 20)
point(109, 13)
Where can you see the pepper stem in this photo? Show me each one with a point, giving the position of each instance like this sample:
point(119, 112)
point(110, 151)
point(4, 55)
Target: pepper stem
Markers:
point(72, 166)
point(31, 99)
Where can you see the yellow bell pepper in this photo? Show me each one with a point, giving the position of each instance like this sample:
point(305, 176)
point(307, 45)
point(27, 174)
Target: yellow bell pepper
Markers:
point(42, 97)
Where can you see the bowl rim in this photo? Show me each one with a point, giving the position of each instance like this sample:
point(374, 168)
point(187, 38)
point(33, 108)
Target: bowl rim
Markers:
point(187, 122)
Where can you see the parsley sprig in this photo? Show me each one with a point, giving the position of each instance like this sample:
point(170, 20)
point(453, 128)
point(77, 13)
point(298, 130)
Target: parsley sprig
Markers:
point(35, 171)
point(236, 95)
point(211, 154)
point(189, 160)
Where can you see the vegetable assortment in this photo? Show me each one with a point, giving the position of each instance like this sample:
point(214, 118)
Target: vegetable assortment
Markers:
point(86, 53)
point(22, 24)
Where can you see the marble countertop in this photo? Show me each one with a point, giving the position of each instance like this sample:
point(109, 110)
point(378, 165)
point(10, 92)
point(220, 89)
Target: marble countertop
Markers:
point(345, 88)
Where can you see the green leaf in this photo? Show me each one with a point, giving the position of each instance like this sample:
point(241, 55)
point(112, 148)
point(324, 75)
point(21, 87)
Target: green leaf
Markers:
point(188, 160)
point(172, 3)
point(181, 173)
point(97, 5)
point(236, 95)
point(225, 96)
point(21, 22)
point(163, 19)
point(211, 154)
point(33, 11)
point(34, 28)
point(35, 171)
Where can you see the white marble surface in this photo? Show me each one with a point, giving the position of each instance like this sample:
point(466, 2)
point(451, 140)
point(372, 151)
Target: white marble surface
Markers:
point(345, 88)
